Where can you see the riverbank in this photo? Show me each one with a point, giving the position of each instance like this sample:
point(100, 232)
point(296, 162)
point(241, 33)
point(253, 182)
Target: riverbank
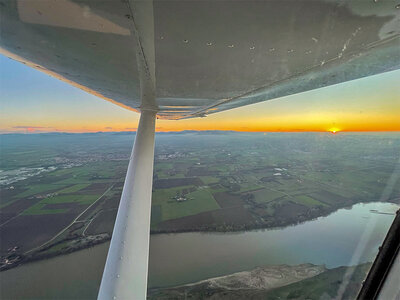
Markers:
point(75, 243)
point(261, 223)
point(184, 258)
point(305, 281)
point(61, 247)
point(267, 277)
point(271, 222)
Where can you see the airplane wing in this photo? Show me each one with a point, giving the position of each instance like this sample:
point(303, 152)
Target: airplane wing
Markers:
point(207, 56)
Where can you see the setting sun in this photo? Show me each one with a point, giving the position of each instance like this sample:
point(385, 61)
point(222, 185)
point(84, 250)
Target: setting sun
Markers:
point(334, 130)
point(48, 105)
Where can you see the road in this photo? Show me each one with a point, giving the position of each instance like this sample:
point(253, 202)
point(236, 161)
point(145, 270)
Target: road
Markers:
point(73, 222)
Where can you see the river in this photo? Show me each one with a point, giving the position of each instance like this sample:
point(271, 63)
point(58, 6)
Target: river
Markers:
point(346, 237)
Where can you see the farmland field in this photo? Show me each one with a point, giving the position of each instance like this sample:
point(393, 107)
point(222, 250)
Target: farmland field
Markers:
point(67, 187)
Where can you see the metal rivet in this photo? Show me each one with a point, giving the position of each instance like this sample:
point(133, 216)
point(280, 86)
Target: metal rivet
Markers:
point(209, 44)
point(185, 41)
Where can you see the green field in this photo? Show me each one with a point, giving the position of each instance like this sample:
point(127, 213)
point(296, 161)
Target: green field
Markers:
point(40, 188)
point(74, 188)
point(267, 195)
point(198, 201)
point(209, 179)
point(306, 200)
point(38, 208)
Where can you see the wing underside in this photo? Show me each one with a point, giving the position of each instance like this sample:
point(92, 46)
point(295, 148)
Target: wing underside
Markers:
point(207, 56)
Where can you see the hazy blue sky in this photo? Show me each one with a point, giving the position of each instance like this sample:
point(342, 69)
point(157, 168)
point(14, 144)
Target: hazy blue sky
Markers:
point(34, 101)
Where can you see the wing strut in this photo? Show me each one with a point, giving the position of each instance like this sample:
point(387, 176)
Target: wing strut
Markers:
point(125, 272)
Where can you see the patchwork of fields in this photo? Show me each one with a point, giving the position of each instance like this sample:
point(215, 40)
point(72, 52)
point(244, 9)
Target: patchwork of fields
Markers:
point(33, 215)
point(202, 182)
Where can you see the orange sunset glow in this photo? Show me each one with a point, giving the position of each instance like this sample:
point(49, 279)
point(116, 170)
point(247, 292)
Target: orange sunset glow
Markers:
point(46, 104)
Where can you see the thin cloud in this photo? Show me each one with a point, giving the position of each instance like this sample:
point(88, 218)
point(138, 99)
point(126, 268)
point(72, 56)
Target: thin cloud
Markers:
point(31, 127)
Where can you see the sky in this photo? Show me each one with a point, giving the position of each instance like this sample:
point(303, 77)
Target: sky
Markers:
point(32, 102)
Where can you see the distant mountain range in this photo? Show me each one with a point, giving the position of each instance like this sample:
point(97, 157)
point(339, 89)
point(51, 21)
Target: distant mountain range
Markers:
point(128, 132)
point(199, 132)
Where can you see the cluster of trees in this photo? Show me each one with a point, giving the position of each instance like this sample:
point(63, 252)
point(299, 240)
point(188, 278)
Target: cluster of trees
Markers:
point(230, 184)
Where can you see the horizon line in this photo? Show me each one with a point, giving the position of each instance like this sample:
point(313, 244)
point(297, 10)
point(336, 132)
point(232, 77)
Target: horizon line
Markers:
point(206, 130)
